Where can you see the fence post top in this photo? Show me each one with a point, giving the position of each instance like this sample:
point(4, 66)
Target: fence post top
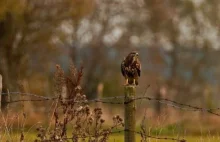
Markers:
point(130, 86)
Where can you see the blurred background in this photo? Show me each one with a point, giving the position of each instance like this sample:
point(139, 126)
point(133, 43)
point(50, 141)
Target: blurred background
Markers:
point(178, 43)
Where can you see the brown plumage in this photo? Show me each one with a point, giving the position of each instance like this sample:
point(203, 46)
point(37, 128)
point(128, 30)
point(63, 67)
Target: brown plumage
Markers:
point(131, 68)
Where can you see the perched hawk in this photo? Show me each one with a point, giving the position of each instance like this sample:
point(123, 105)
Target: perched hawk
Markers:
point(131, 68)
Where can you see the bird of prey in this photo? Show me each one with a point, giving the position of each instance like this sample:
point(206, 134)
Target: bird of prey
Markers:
point(131, 68)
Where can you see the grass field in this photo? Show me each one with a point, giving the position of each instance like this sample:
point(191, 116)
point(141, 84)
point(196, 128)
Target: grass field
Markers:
point(120, 138)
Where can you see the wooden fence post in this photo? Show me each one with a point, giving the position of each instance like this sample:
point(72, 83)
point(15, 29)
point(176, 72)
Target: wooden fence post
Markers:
point(0, 91)
point(8, 100)
point(3, 98)
point(129, 113)
point(100, 93)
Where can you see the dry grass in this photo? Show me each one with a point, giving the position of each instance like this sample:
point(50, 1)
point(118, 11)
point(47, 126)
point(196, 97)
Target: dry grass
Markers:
point(70, 117)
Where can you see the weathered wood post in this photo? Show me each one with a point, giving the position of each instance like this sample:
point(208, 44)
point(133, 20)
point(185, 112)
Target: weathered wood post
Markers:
point(0, 91)
point(129, 113)
point(8, 100)
point(100, 93)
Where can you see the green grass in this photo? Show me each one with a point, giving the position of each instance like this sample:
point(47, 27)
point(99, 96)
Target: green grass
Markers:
point(120, 138)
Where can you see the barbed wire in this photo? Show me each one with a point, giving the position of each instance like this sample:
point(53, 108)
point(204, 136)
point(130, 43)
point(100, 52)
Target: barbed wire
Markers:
point(72, 100)
point(165, 101)
point(121, 101)
point(25, 94)
point(125, 130)
point(151, 137)
point(44, 97)
point(178, 105)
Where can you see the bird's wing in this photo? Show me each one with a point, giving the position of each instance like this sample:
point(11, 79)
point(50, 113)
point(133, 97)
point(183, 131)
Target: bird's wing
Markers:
point(123, 68)
point(138, 67)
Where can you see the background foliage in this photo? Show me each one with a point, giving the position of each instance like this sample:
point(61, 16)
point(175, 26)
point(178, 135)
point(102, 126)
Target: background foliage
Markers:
point(177, 42)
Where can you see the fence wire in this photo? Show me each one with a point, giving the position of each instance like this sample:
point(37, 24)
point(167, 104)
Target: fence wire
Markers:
point(122, 131)
point(119, 100)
